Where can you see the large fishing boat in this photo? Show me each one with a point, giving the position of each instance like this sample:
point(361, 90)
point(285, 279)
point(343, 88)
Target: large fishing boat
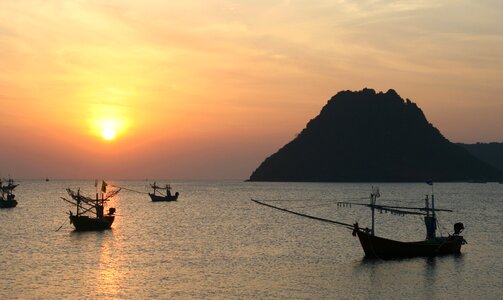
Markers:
point(7, 198)
point(158, 195)
point(379, 247)
point(90, 211)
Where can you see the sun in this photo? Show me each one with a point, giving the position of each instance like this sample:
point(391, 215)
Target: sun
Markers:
point(108, 133)
point(108, 129)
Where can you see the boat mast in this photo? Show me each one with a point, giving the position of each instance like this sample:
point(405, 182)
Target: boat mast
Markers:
point(433, 204)
point(97, 201)
point(430, 220)
point(373, 197)
point(100, 205)
point(78, 201)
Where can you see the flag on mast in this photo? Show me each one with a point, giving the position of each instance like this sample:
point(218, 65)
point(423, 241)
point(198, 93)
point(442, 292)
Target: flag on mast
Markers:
point(429, 182)
point(104, 187)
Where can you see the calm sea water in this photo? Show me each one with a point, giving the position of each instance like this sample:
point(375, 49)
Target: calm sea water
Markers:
point(215, 243)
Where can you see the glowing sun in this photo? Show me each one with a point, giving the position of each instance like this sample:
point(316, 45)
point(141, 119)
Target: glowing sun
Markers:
point(108, 133)
point(108, 129)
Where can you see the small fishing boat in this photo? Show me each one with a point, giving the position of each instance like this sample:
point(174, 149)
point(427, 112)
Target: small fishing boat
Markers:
point(158, 195)
point(90, 211)
point(7, 198)
point(380, 247)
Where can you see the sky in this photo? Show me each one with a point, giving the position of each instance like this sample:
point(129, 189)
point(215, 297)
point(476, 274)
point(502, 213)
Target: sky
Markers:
point(208, 89)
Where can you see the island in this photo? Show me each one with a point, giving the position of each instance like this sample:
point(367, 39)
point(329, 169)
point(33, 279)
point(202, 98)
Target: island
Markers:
point(491, 153)
point(369, 136)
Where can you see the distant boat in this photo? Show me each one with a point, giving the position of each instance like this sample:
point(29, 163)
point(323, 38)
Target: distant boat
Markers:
point(6, 194)
point(46, 179)
point(161, 197)
point(90, 212)
point(477, 181)
point(379, 247)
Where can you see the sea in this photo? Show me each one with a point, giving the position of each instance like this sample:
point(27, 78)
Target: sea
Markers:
point(215, 243)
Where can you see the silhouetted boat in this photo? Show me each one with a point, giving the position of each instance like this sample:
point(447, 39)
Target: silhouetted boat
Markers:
point(161, 197)
point(90, 212)
point(7, 198)
point(379, 247)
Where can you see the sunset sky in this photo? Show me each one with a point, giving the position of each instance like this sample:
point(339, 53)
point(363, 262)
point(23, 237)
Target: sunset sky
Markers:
point(208, 89)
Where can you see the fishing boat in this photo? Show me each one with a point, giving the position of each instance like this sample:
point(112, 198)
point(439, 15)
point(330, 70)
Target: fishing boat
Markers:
point(90, 211)
point(158, 195)
point(379, 247)
point(7, 198)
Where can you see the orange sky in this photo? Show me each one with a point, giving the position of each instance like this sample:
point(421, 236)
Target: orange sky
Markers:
point(208, 89)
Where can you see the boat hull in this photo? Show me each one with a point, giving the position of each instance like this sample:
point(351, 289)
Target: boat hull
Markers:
point(168, 198)
point(85, 223)
point(8, 203)
point(378, 247)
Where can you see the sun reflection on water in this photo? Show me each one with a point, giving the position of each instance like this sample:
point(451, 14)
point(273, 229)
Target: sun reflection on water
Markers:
point(109, 278)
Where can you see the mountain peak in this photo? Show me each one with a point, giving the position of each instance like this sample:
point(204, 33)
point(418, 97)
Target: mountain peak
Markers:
point(369, 136)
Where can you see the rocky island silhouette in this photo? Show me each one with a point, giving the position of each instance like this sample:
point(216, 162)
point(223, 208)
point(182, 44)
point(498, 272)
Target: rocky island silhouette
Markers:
point(491, 153)
point(365, 136)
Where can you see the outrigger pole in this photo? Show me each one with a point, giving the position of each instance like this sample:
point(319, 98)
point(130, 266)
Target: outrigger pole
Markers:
point(346, 225)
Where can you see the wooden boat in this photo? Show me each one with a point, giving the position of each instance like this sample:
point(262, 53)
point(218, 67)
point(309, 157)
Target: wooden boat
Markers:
point(7, 198)
point(90, 212)
point(160, 196)
point(379, 247)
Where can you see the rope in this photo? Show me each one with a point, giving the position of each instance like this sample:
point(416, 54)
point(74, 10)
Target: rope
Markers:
point(346, 225)
point(61, 226)
point(131, 190)
point(135, 191)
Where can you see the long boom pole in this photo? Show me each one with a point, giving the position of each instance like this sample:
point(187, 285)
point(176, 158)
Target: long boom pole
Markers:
point(346, 225)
